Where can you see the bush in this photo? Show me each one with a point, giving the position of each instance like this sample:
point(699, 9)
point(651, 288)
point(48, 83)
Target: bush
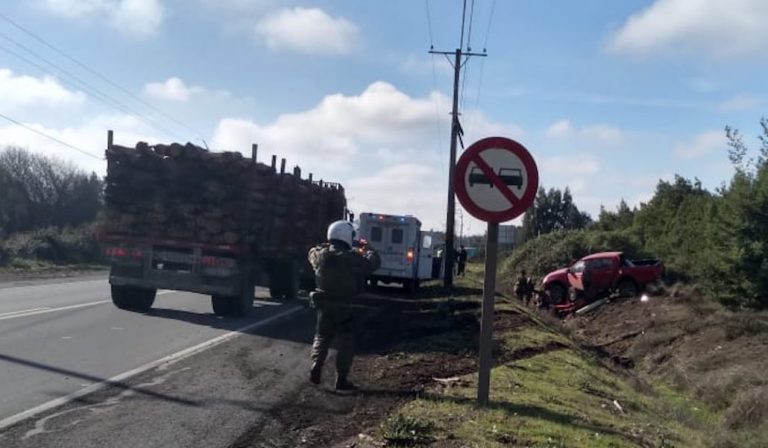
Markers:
point(59, 246)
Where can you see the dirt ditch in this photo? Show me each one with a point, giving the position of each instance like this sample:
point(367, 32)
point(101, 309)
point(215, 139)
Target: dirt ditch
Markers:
point(403, 346)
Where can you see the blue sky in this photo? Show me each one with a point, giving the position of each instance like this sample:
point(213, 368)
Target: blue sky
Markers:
point(608, 96)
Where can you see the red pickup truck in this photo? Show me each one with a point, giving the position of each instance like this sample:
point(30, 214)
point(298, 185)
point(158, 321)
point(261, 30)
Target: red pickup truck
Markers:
point(611, 272)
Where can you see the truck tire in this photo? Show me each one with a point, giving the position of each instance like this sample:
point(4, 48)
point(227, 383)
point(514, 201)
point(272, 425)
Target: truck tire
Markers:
point(628, 288)
point(284, 281)
point(557, 293)
point(143, 300)
point(121, 297)
point(221, 305)
point(242, 305)
point(132, 298)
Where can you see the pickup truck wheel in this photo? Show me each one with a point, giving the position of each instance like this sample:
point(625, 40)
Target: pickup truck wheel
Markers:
point(557, 294)
point(628, 288)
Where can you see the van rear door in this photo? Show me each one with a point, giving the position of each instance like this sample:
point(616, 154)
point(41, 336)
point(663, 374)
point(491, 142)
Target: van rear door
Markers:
point(390, 240)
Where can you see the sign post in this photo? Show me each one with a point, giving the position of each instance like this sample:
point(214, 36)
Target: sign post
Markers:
point(496, 180)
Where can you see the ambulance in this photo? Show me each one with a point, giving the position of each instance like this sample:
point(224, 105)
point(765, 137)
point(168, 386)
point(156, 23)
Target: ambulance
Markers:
point(408, 254)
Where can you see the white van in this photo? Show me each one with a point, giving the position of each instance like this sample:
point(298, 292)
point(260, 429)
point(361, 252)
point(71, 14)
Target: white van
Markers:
point(407, 254)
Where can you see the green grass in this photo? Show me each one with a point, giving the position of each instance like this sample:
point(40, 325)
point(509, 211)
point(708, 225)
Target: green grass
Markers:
point(553, 395)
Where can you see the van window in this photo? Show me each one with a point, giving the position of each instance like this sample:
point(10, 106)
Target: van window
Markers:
point(376, 234)
point(427, 244)
point(397, 236)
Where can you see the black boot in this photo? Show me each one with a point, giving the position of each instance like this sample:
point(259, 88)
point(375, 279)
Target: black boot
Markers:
point(316, 373)
point(343, 385)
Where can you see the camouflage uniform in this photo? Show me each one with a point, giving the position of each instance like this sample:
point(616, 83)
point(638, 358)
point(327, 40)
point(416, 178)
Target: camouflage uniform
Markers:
point(340, 274)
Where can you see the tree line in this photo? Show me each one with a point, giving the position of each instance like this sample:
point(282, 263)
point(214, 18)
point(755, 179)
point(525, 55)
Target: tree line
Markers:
point(38, 192)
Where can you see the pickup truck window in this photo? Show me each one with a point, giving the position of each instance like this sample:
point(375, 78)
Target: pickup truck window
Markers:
point(578, 267)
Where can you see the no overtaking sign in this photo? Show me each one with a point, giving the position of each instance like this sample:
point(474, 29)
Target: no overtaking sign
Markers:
point(496, 180)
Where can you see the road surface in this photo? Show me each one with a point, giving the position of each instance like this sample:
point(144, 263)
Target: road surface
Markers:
point(61, 339)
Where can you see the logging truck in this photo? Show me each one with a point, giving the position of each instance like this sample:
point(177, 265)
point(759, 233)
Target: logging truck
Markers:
point(180, 217)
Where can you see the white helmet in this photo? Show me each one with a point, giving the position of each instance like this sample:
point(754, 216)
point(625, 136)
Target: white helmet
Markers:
point(342, 231)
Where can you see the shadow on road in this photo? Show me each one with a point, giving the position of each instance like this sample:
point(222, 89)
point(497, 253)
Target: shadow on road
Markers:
point(95, 379)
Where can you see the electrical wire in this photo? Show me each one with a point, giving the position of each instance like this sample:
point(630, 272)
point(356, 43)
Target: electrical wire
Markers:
point(90, 90)
point(463, 17)
point(438, 126)
point(102, 77)
point(50, 137)
point(469, 34)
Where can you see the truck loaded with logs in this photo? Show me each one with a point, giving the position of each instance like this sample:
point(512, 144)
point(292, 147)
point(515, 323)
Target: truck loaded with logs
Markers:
point(181, 217)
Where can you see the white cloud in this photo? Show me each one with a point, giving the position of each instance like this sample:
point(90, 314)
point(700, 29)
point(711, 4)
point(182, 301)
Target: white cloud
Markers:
point(380, 144)
point(560, 129)
point(24, 91)
point(308, 30)
point(570, 166)
point(702, 145)
point(90, 137)
point(740, 103)
point(173, 89)
point(401, 189)
point(719, 28)
point(602, 134)
point(139, 18)
point(339, 127)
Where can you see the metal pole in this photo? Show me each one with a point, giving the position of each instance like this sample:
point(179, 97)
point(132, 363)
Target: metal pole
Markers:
point(450, 218)
point(110, 138)
point(486, 321)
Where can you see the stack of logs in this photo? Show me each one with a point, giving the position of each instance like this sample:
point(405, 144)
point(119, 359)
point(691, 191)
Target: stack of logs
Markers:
point(183, 192)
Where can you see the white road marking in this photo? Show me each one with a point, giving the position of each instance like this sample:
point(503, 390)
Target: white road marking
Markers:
point(23, 311)
point(54, 285)
point(52, 310)
point(66, 337)
point(160, 364)
point(45, 310)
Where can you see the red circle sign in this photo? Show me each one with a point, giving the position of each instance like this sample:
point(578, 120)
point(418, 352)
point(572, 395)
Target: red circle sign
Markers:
point(496, 179)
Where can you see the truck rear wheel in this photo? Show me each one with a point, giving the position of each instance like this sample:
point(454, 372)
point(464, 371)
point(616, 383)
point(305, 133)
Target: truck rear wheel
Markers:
point(236, 306)
point(284, 281)
point(132, 298)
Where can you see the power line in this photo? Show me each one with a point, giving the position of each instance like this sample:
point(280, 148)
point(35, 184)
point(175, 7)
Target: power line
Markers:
point(490, 22)
point(469, 34)
point(463, 17)
point(429, 26)
point(50, 137)
point(85, 86)
point(102, 77)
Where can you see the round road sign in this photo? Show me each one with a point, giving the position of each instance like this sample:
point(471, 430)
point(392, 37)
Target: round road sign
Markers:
point(496, 179)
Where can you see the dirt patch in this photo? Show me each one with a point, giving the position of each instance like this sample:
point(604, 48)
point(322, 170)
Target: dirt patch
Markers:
point(691, 343)
point(405, 345)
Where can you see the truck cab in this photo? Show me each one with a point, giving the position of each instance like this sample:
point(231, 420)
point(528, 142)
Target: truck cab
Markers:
point(406, 251)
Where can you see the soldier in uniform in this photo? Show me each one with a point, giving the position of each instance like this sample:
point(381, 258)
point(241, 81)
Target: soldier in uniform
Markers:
point(340, 273)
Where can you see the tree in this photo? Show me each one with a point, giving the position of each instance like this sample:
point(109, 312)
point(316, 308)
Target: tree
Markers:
point(621, 219)
point(553, 210)
point(37, 191)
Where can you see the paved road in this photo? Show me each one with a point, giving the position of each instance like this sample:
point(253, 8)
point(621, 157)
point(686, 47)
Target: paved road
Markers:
point(60, 338)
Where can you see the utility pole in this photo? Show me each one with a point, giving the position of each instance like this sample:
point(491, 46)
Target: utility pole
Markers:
point(455, 129)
